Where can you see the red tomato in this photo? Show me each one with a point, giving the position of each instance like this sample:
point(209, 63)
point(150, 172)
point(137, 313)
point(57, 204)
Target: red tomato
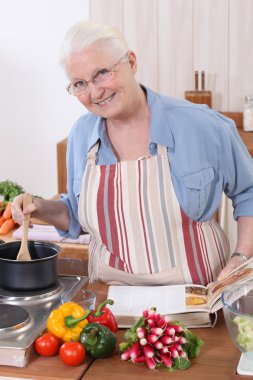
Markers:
point(47, 345)
point(72, 353)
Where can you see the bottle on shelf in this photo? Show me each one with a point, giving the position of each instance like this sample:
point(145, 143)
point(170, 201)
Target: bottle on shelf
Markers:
point(248, 114)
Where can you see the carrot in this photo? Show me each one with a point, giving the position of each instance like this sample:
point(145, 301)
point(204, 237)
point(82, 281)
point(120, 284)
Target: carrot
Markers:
point(7, 226)
point(7, 211)
point(1, 220)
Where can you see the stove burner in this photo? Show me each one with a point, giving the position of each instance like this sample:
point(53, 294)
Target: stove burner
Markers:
point(12, 318)
point(20, 295)
point(15, 345)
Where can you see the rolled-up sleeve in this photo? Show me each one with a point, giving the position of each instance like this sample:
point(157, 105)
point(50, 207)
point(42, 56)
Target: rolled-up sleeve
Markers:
point(76, 161)
point(74, 225)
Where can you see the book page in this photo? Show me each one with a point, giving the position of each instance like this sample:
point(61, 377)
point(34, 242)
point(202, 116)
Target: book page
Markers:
point(242, 273)
point(190, 320)
point(196, 298)
point(172, 299)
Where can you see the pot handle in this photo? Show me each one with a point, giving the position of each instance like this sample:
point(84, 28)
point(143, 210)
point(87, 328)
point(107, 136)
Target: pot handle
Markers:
point(1, 241)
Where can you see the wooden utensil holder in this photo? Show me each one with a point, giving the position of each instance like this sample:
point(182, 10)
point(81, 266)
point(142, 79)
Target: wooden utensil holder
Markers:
point(199, 96)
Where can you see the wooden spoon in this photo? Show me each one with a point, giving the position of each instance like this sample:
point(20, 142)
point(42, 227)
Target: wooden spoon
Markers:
point(24, 253)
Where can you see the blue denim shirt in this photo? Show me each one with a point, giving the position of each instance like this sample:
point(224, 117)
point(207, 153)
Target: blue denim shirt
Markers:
point(206, 154)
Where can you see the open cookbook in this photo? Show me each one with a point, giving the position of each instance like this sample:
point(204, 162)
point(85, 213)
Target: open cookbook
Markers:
point(193, 305)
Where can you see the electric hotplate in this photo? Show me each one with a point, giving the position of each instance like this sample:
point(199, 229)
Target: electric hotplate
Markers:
point(30, 312)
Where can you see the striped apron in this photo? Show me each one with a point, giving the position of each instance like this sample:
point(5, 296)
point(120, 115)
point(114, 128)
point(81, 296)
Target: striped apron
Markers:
point(139, 233)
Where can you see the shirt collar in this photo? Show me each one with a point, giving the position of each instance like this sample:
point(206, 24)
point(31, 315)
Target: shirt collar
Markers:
point(99, 133)
point(160, 131)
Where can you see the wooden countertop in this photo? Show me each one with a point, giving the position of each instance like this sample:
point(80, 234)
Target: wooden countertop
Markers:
point(74, 251)
point(218, 360)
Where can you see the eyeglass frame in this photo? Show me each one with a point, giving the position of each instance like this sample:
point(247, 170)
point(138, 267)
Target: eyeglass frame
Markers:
point(110, 70)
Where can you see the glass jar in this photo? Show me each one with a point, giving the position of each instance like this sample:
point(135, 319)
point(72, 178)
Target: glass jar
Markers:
point(248, 114)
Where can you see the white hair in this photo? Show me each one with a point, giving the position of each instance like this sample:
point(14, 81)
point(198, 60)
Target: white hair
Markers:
point(85, 34)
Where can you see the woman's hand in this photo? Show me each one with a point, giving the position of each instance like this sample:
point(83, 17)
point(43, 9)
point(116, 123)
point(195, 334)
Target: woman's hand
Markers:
point(244, 245)
point(52, 212)
point(19, 212)
point(232, 264)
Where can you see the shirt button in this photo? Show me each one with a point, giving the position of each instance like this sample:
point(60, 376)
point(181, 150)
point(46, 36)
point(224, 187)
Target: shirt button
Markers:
point(152, 146)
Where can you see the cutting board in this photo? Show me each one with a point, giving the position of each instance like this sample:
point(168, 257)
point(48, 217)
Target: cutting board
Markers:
point(43, 368)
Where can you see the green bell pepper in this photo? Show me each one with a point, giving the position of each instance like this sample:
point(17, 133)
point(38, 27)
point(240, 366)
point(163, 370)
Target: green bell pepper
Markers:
point(98, 340)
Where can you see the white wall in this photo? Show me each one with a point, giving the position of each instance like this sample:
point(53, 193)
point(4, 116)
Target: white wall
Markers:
point(35, 110)
point(173, 38)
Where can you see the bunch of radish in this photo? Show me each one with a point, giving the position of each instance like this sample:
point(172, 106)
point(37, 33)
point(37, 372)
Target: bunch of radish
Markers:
point(160, 343)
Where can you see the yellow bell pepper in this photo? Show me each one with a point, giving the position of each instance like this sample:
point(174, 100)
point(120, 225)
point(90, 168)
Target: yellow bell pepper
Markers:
point(68, 321)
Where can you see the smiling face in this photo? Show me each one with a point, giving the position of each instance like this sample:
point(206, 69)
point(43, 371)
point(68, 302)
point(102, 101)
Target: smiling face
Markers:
point(113, 100)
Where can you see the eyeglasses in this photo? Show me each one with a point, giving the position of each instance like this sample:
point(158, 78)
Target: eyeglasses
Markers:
point(101, 78)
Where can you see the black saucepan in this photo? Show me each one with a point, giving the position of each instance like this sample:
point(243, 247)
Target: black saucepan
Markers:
point(38, 273)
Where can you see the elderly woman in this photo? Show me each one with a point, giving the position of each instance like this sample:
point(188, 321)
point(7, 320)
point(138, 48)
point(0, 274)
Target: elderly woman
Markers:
point(145, 173)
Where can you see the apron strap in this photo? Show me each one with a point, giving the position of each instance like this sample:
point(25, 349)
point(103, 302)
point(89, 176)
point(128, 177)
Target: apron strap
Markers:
point(162, 150)
point(92, 155)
